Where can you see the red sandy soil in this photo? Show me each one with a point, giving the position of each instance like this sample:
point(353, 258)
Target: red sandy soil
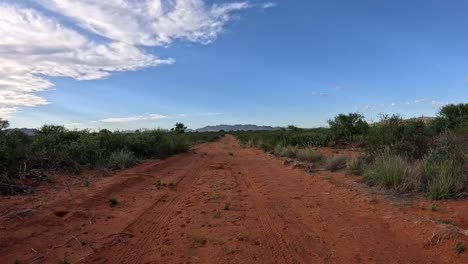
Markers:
point(276, 214)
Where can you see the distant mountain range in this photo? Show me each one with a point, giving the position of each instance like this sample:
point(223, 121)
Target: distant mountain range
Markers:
point(27, 131)
point(235, 128)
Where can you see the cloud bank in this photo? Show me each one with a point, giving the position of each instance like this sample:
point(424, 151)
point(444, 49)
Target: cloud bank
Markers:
point(93, 39)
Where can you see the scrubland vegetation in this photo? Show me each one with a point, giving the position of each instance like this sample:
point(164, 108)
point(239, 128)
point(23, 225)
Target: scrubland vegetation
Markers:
point(56, 148)
point(425, 155)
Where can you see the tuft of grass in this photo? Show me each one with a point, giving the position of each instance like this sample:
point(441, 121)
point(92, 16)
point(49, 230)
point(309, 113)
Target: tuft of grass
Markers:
point(49, 179)
point(355, 166)
point(197, 240)
point(227, 206)
point(230, 251)
point(460, 247)
point(285, 151)
point(217, 215)
point(337, 163)
point(113, 202)
point(171, 185)
point(434, 207)
point(231, 154)
point(119, 160)
point(388, 170)
point(309, 155)
point(443, 179)
point(213, 241)
point(85, 182)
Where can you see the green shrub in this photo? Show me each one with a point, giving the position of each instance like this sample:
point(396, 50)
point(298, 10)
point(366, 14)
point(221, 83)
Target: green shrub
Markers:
point(337, 163)
point(445, 167)
point(56, 148)
point(402, 137)
point(344, 127)
point(454, 114)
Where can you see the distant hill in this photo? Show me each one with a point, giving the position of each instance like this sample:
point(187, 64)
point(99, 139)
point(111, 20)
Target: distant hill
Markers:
point(235, 128)
point(27, 131)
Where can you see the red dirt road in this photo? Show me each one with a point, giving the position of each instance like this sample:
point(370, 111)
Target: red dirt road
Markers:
point(276, 214)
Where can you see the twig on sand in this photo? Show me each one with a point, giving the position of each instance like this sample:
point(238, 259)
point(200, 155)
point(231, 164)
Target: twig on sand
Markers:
point(6, 212)
point(38, 258)
point(66, 242)
point(78, 241)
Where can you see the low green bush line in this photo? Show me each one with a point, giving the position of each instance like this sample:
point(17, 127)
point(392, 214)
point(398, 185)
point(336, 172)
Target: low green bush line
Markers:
point(56, 148)
point(428, 155)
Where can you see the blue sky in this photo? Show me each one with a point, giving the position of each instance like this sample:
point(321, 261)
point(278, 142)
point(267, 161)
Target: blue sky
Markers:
point(267, 63)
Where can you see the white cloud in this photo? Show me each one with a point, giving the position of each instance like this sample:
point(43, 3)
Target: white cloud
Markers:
point(133, 118)
point(323, 94)
point(417, 101)
point(73, 125)
point(157, 116)
point(148, 22)
point(6, 111)
point(438, 103)
point(34, 46)
point(123, 119)
point(268, 5)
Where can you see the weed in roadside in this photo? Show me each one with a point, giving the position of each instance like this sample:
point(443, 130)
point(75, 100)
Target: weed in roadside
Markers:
point(197, 240)
point(230, 251)
point(82, 243)
point(64, 261)
point(214, 197)
point(171, 185)
point(85, 182)
point(49, 179)
point(231, 154)
point(337, 163)
point(76, 170)
point(217, 215)
point(434, 207)
point(388, 170)
point(460, 247)
point(119, 160)
point(355, 166)
point(227, 206)
point(241, 237)
point(113, 202)
point(158, 184)
point(445, 221)
point(285, 151)
point(309, 155)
